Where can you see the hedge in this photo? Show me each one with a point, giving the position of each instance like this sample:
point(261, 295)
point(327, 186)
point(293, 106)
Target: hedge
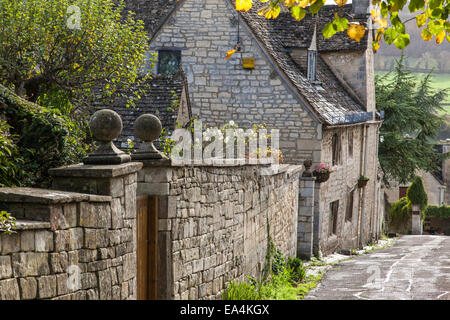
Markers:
point(41, 138)
point(438, 211)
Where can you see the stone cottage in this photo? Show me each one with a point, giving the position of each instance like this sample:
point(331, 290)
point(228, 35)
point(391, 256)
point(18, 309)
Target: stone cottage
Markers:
point(318, 92)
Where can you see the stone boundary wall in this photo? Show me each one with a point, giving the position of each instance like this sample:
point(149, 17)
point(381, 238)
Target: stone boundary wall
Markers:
point(71, 246)
point(214, 228)
point(437, 225)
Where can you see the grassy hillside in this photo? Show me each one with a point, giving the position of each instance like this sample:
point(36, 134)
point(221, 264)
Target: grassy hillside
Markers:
point(439, 82)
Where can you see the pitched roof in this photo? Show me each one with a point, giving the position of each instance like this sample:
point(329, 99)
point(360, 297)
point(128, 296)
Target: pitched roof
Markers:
point(292, 33)
point(154, 13)
point(162, 92)
point(330, 99)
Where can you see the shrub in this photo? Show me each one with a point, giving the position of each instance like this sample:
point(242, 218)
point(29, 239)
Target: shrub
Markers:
point(296, 269)
point(416, 193)
point(237, 290)
point(437, 211)
point(9, 157)
point(44, 138)
point(7, 223)
point(278, 262)
point(400, 212)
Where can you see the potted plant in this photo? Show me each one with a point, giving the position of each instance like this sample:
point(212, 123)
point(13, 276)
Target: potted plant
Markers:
point(322, 172)
point(362, 181)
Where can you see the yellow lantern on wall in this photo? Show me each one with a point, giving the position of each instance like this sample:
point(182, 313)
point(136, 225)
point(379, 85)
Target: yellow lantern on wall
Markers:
point(248, 63)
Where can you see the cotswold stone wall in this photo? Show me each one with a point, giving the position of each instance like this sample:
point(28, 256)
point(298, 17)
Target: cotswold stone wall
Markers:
point(69, 245)
point(222, 90)
point(216, 222)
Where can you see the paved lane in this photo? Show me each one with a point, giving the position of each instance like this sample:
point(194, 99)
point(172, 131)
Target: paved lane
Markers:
point(414, 268)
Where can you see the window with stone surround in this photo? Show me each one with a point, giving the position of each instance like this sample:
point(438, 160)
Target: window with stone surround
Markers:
point(334, 211)
point(350, 201)
point(169, 61)
point(336, 149)
point(350, 143)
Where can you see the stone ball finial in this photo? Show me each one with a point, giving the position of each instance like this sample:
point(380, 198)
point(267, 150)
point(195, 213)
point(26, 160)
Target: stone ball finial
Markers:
point(307, 163)
point(147, 128)
point(106, 125)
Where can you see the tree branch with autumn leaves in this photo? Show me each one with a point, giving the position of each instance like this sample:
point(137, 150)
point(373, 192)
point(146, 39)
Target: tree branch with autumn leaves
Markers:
point(430, 15)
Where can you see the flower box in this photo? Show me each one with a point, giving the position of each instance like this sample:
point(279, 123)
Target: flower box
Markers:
point(362, 181)
point(322, 172)
point(321, 177)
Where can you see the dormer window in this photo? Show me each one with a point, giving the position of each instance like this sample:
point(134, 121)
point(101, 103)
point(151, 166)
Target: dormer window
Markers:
point(169, 61)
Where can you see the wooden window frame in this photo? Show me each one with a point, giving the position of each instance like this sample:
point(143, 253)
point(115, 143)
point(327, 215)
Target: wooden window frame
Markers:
point(336, 149)
point(350, 143)
point(177, 52)
point(334, 213)
point(350, 204)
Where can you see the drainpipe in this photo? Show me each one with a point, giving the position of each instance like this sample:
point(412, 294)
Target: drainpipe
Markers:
point(363, 170)
point(361, 159)
point(376, 193)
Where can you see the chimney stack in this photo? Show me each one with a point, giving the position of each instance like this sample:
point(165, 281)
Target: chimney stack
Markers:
point(361, 7)
point(312, 56)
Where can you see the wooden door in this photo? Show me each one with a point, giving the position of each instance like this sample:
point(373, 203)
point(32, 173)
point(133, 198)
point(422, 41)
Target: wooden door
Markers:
point(147, 247)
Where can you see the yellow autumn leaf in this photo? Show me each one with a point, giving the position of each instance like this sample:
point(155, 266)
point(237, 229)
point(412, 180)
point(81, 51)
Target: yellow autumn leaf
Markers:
point(376, 16)
point(272, 13)
point(289, 3)
point(375, 46)
point(440, 37)
point(304, 3)
point(356, 31)
point(426, 35)
point(421, 20)
point(340, 3)
point(230, 53)
point(243, 5)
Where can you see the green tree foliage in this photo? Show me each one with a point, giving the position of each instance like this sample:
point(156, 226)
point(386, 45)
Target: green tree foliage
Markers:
point(416, 193)
point(34, 139)
point(59, 50)
point(400, 213)
point(410, 125)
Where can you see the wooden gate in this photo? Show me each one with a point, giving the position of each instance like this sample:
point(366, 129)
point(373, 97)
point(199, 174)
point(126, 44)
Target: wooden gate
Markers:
point(147, 247)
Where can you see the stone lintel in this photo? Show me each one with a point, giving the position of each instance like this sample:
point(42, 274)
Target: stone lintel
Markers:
point(96, 171)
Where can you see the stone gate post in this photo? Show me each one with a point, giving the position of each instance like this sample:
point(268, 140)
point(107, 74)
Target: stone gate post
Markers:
point(305, 230)
point(108, 172)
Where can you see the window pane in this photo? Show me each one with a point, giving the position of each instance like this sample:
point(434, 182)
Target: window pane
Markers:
point(169, 61)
